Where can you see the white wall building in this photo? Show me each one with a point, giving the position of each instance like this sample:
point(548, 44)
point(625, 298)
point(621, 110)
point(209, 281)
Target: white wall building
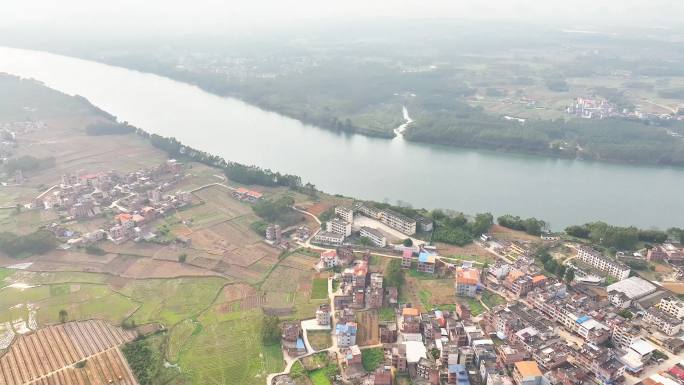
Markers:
point(339, 226)
point(374, 235)
point(345, 213)
point(597, 260)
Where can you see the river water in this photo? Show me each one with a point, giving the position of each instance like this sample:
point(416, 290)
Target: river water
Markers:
point(560, 191)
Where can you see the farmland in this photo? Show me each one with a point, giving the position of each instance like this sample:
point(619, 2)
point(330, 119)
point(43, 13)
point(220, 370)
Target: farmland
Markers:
point(47, 356)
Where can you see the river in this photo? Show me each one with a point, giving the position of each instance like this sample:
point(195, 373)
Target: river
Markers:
point(560, 191)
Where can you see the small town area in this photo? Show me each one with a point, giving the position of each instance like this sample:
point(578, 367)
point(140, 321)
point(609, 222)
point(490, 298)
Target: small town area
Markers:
point(510, 321)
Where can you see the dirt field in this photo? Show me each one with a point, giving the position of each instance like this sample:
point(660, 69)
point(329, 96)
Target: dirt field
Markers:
point(470, 252)
point(501, 232)
point(48, 356)
point(675, 287)
point(368, 332)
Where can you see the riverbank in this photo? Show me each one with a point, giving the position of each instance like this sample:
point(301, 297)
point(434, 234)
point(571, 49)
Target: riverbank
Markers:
point(459, 125)
point(563, 192)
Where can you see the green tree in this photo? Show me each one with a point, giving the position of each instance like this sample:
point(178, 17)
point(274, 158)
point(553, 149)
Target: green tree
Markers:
point(482, 223)
point(270, 330)
point(570, 275)
point(408, 242)
point(63, 316)
point(394, 275)
point(182, 258)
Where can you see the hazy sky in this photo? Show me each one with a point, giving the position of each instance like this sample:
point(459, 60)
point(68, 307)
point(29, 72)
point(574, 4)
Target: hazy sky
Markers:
point(196, 15)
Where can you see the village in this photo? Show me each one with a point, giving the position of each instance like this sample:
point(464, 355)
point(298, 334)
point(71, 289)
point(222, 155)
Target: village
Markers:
point(599, 324)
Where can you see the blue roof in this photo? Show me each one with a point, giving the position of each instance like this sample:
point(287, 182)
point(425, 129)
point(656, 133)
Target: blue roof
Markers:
point(423, 256)
point(300, 344)
point(583, 319)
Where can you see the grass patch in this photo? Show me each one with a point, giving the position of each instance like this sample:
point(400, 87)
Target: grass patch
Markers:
point(425, 296)
point(492, 299)
point(4, 274)
point(319, 288)
point(372, 358)
point(319, 339)
point(476, 307)
point(319, 377)
point(386, 314)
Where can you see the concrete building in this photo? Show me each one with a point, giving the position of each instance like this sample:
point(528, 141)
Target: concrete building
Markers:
point(426, 262)
point(339, 226)
point(323, 315)
point(633, 288)
point(466, 281)
point(526, 373)
point(328, 238)
point(663, 321)
point(673, 306)
point(595, 259)
point(344, 213)
point(406, 258)
point(346, 334)
point(374, 235)
point(398, 221)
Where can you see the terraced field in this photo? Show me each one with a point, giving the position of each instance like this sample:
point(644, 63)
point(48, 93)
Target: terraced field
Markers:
point(74, 353)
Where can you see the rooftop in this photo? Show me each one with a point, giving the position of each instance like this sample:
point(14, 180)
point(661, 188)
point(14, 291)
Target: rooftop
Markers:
point(467, 276)
point(528, 368)
point(633, 287)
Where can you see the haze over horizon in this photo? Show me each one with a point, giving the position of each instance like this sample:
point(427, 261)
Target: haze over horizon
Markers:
point(212, 16)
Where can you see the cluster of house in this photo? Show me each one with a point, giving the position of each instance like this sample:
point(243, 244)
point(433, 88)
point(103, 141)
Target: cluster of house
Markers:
point(511, 250)
point(9, 132)
point(518, 278)
point(597, 108)
point(340, 227)
point(246, 195)
point(138, 197)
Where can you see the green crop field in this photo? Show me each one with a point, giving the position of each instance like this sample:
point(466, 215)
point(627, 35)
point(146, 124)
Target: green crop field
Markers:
point(320, 288)
point(229, 352)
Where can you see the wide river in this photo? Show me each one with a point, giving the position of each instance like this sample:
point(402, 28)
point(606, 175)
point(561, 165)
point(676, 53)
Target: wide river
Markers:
point(562, 192)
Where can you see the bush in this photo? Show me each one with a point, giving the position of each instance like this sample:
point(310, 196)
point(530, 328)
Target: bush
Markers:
point(372, 358)
point(28, 163)
point(270, 330)
point(276, 211)
point(142, 361)
point(109, 128)
point(16, 246)
point(95, 250)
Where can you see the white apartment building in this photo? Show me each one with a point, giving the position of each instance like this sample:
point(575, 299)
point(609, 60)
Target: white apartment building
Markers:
point(345, 213)
point(374, 235)
point(672, 306)
point(663, 321)
point(376, 281)
point(398, 221)
point(339, 226)
point(328, 238)
point(602, 263)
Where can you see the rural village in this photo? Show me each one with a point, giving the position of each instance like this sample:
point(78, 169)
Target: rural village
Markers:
point(124, 266)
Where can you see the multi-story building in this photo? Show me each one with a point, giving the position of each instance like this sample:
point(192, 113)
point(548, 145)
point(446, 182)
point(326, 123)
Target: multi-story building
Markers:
point(376, 281)
point(664, 321)
point(339, 226)
point(597, 260)
point(426, 262)
point(467, 281)
point(526, 373)
point(328, 238)
point(601, 361)
point(369, 211)
point(406, 258)
point(346, 334)
point(410, 320)
point(398, 221)
point(345, 213)
point(425, 224)
point(673, 306)
point(323, 314)
point(374, 235)
point(328, 259)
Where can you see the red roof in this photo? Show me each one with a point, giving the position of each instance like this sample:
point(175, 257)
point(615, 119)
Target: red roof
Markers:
point(408, 253)
point(677, 371)
point(241, 190)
